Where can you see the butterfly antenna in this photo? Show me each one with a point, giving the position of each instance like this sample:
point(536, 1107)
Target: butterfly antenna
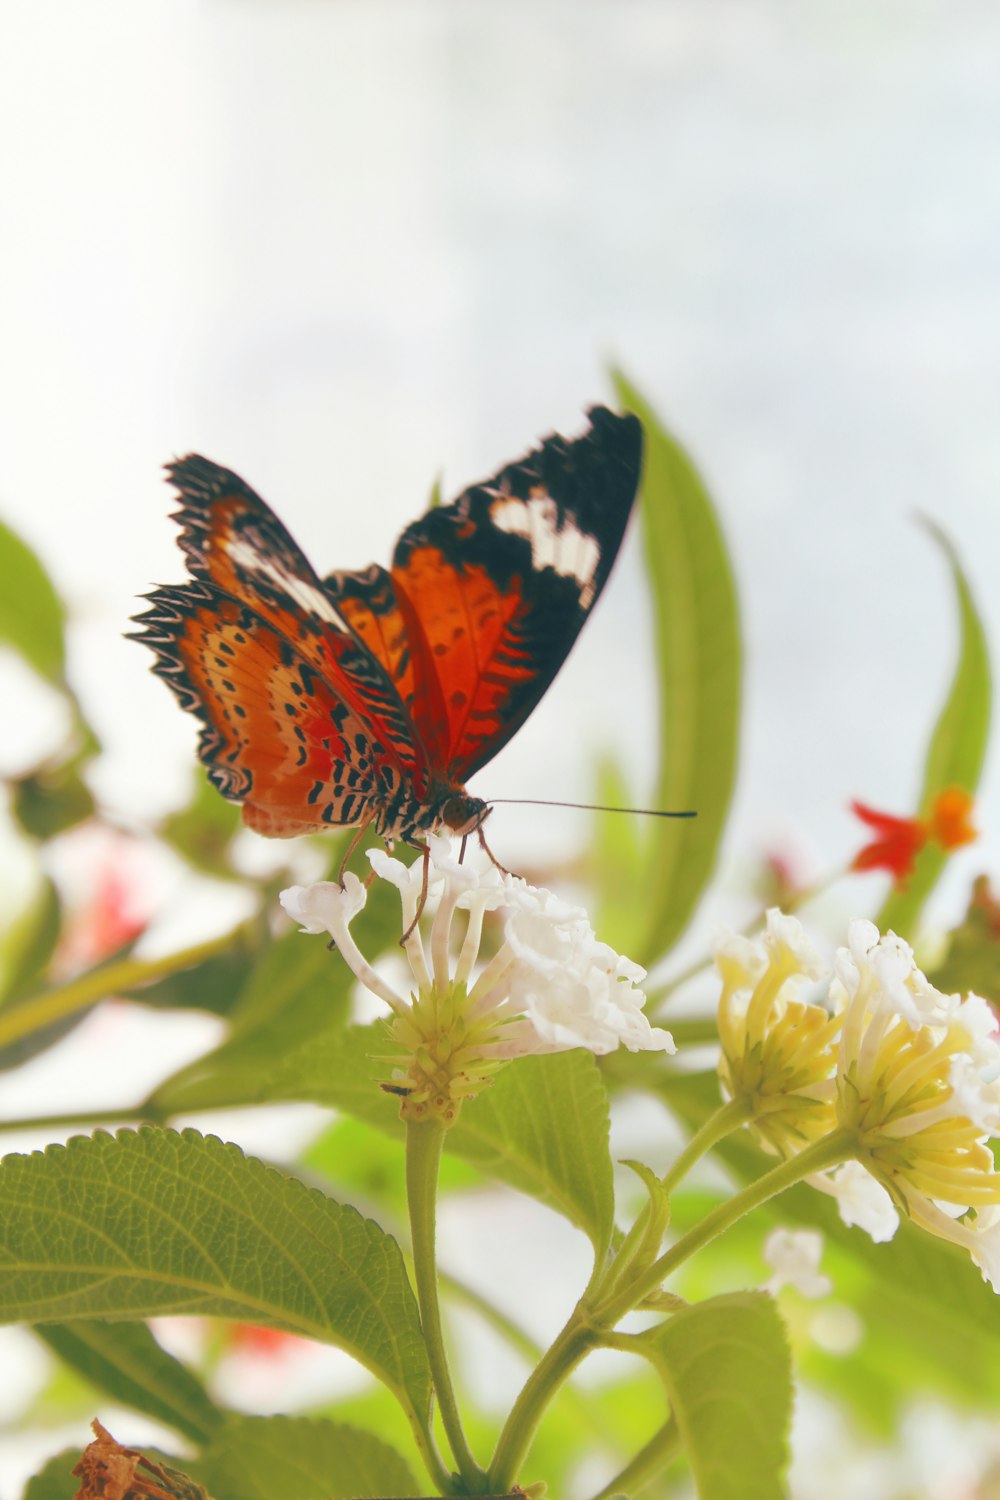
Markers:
point(645, 812)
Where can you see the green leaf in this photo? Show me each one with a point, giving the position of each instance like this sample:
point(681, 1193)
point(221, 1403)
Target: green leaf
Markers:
point(972, 960)
point(28, 944)
point(203, 831)
point(957, 748)
point(154, 1222)
point(214, 985)
point(50, 800)
point(542, 1126)
point(616, 853)
point(55, 1481)
point(124, 1360)
point(727, 1370)
point(300, 1458)
point(699, 657)
point(31, 615)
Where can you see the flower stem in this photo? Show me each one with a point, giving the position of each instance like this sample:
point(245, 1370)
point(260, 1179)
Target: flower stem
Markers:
point(28, 1016)
point(126, 1114)
point(634, 1249)
point(718, 1125)
point(577, 1338)
point(424, 1139)
point(834, 1148)
point(651, 1460)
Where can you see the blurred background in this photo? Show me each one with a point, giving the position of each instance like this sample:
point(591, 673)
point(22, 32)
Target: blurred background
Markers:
point(347, 246)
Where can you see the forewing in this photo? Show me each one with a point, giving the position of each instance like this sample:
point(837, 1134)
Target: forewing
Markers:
point(487, 595)
point(236, 543)
point(275, 735)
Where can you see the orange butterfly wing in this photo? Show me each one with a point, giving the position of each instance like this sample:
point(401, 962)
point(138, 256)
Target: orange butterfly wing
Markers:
point(275, 736)
point(300, 721)
point(233, 540)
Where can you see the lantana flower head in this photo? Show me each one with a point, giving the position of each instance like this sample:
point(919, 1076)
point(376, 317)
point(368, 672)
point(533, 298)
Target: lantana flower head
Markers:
point(549, 986)
point(777, 1047)
point(918, 1090)
point(900, 1081)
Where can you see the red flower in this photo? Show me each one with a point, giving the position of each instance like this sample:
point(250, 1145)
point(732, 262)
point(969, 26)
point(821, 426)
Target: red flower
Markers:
point(900, 840)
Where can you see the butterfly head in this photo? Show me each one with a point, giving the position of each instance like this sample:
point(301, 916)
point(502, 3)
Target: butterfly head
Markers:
point(462, 814)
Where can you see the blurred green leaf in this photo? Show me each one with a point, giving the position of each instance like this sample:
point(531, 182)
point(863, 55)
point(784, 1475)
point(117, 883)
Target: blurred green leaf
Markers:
point(203, 831)
point(972, 958)
point(615, 855)
point(300, 1458)
point(55, 1481)
point(125, 1361)
point(699, 657)
point(51, 800)
point(32, 619)
point(727, 1370)
point(215, 985)
point(957, 748)
point(28, 944)
point(154, 1222)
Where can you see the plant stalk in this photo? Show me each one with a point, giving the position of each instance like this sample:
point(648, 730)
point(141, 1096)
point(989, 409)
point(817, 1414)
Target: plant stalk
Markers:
point(424, 1139)
point(28, 1016)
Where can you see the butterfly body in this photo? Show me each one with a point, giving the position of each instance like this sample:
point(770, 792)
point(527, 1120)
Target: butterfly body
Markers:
point(370, 697)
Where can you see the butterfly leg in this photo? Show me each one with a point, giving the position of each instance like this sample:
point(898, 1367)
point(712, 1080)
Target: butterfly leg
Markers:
point(490, 855)
point(358, 835)
point(423, 895)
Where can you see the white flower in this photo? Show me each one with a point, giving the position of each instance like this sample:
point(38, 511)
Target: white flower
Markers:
point(325, 906)
point(550, 985)
point(590, 999)
point(860, 1200)
point(794, 1256)
point(786, 939)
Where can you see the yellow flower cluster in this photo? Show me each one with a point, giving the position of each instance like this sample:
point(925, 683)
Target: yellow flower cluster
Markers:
point(909, 1077)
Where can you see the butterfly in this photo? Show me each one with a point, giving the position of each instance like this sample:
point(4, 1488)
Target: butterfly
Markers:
point(369, 698)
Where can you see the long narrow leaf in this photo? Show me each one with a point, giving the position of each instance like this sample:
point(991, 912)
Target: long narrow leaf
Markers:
point(699, 659)
point(957, 748)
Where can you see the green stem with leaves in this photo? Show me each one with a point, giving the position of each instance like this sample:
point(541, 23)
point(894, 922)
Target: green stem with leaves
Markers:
point(424, 1139)
point(598, 1312)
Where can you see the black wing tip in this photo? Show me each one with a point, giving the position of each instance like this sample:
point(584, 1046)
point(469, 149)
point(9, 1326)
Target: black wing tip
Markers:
point(200, 479)
point(619, 432)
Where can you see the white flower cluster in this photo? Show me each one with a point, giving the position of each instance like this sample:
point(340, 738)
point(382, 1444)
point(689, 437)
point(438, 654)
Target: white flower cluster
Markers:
point(550, 986)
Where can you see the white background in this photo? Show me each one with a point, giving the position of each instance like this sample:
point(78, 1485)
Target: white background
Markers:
point(340, 247)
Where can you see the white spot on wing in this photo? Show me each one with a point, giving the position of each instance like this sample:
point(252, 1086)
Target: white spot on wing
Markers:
point(310, 598)
point(572, 553)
